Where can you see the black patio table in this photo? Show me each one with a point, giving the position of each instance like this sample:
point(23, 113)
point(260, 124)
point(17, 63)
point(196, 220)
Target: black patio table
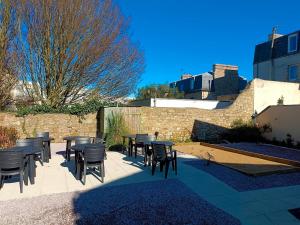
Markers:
point(131, 138)
point(80, 148)
point(29, 151)
point(69, 140)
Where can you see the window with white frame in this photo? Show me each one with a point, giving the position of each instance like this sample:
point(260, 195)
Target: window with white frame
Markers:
point(292, 43)
point(293, 73)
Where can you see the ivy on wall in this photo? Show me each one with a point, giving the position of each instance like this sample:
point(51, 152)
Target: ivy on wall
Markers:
point(78, 109)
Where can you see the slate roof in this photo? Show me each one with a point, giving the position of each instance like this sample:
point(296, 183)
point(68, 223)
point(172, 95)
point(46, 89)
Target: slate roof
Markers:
point(263, 51)
point(201, 82)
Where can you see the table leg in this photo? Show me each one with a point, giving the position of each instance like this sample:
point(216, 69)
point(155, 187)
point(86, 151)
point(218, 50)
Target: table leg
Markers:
point(46, 152)
point(123, 145)
point(49, 148)
point(31, 169)
point(68, 147)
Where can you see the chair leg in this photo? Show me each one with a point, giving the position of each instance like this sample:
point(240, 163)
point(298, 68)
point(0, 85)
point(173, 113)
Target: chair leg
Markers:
point(84, 173)
point(153, 167)
point(167, 169)
point(135, 151)
point(175, 162)
point(21, 181)
point(102, 172)
point(1, 181)
point(42, 158)
point(26, 175)
point(161, 166)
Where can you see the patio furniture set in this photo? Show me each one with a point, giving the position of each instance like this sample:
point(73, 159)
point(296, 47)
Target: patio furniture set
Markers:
point(89, 155)
point(20, 159)
point(153, 151)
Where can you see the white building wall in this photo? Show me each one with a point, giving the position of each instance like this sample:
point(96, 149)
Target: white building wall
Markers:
point(267, 93)
point(188, 103)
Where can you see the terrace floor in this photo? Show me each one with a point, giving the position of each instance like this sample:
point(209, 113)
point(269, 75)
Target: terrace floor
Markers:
point(126, 178)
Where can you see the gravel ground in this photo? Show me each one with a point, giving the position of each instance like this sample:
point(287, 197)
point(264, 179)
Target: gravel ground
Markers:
point(160, 202)
point(271, 150)
point(242, 182)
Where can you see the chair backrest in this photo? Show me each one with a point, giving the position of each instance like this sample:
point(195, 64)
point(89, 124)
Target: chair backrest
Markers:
point(11, 159)
point(43, 134)
point(151, 138)
point(24, 142)
point(141, 137)
point(98, 140)
point(82, 140)
point(34, 142)
point(159, 151)
point(94, 153)
point(37, 142)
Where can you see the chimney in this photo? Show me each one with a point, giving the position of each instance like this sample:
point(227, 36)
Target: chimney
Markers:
point(226, 79)
point(186, 76)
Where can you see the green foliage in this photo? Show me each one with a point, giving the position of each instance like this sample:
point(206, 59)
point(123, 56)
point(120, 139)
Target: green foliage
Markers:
point(8, 137)
point(280, 101)
point(158, 91)
point(241, 131)
point(115, 129)
point(77, 109)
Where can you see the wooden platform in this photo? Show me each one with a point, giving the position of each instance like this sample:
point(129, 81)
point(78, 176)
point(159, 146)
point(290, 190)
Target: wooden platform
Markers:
point(245, 163)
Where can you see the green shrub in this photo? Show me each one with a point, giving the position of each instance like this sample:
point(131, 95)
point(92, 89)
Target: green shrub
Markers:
point(115, 129)
point(8, 137)
point(241, 131)
point(78, 109)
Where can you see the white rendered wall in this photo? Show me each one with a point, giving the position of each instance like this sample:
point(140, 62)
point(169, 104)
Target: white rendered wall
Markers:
point(188, 103)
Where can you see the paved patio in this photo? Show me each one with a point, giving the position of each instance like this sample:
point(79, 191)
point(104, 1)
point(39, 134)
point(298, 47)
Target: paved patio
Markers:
point(257, 207)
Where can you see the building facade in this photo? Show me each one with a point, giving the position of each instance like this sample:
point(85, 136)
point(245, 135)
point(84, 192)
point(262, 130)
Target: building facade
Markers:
point(278, 59)
point(223, 80)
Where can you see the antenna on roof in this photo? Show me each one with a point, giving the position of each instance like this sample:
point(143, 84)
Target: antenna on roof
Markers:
point(274, 32)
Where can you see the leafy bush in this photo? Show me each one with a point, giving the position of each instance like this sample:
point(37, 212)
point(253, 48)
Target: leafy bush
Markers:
point(77, 109)
point(8, 137)
point(241, 131)
point(115, 129)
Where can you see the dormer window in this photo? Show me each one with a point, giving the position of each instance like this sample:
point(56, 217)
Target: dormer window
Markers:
point(293, 43)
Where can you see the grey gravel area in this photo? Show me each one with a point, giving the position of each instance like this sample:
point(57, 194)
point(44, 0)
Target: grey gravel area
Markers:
point(271, 150)
point(242, 182)
point(159, 202)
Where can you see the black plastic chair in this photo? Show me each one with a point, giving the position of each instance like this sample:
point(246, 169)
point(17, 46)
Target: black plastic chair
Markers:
point(161, 155)
point(83, 140)
point(12, 162)
point(34, 142)
point(139, 143)
point(46, 145)
point(148, 148)
point(100, 139)
point(78, 140)
point(92, 157)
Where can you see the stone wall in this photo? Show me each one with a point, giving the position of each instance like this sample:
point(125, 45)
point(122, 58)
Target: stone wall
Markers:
point(59, 125)
point(181, 124)
point(172, 123)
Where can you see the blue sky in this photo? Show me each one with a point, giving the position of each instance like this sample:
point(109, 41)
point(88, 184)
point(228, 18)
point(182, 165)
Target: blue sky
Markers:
point(188, 36)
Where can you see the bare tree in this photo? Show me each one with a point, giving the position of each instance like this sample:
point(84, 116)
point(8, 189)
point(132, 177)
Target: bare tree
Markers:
point(7, 34)
point(69, 50)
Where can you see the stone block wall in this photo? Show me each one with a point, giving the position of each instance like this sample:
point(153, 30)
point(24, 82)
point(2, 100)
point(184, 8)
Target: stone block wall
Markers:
point(183, 123)
point(172, 123)
point(59, 125)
